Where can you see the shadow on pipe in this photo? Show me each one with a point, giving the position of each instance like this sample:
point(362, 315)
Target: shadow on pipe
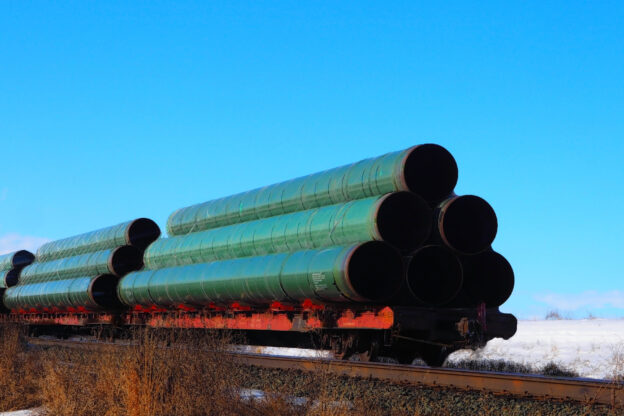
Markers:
point(466, 223)
point(434, 275)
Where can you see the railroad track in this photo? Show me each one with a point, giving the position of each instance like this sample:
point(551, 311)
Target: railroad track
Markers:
point(535, 386)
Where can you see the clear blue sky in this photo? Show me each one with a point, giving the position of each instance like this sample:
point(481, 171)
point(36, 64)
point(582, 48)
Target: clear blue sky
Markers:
point(115, 110)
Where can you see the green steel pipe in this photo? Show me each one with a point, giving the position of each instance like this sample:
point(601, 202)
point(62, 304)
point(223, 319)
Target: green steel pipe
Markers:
point(16, 260)
point(434, 275)
point(467, 224)
point(117, 261)
point(364, 272)
point(138, 233)
point(9, 278)
point(79, 294)
point(428, 170)
point(402, 219)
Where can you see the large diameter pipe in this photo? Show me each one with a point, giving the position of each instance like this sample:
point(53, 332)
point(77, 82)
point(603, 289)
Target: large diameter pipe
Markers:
point(16, 260)
point(402, 219)
point(434, 275)
point(365, 272)
point(488, 278)
point(81, 294)
point(428, 170)
point(9, 278)
point(466, 224)
point(138, 233)
point(117, 261)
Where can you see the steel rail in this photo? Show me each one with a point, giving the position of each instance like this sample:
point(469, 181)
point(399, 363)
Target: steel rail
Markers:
point(535, 386)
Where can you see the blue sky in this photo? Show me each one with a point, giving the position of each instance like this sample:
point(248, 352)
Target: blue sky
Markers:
point(115, 110)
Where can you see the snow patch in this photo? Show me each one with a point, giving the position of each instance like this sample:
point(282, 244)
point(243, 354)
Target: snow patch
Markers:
point(283, 351)
point(31, 412)
point(593, 348)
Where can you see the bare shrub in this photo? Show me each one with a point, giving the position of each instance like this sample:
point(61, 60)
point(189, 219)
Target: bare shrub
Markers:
point(553, 315)
point(501, 366)
point(550, 369)
point(555, 370)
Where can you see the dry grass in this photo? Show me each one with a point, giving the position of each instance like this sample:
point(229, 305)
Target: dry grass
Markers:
point(168, 373)
point(177, 373)
point(617, 358)
point(503, 366)
point(160, 374)
point(18, 387)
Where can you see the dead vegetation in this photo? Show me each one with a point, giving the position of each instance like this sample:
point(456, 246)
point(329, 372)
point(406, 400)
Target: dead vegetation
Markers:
point(161, 374)
point(551, 369)
point(181, 373)
point(19, 374)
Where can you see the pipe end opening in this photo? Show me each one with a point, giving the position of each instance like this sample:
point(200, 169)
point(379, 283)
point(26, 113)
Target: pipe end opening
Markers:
point(375, 270)
point(489, 278)
point(104, 291)
point(431, 171)
point(12, 277)
point(404, 220)
point(142, 232)
point(23, 258)
point(469, 224)
point(434, 275)
point(126, 259)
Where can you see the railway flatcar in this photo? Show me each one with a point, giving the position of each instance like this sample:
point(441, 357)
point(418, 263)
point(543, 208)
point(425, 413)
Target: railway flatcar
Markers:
point(376, 258)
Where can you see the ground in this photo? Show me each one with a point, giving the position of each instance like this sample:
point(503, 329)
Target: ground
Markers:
point(592, 348)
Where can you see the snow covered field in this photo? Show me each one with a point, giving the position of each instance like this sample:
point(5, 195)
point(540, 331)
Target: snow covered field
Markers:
point(592, 347)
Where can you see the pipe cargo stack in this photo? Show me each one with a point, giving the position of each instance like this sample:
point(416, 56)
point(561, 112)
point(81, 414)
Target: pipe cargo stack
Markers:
point(386, 230)
point(80, 273)
point(11, 264)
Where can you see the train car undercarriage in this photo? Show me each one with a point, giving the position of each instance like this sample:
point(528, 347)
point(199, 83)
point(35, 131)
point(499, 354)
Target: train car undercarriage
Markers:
point(402, 333)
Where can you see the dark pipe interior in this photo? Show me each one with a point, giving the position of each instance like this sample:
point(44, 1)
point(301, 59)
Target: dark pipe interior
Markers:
point(126, 259)
point(431, 172)
point(404, 220)
point(488, 277)
point(23, 258)
point(142, 232)
point(104, 291)
point(375, 270)
point(12, 276)
point(434, 275)
point(469, 224)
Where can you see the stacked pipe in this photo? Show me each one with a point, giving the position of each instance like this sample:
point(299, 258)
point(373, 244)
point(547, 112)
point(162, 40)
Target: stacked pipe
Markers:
point(80, 273)
point(468, 225)
point(382, 230)
point(10, 266)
